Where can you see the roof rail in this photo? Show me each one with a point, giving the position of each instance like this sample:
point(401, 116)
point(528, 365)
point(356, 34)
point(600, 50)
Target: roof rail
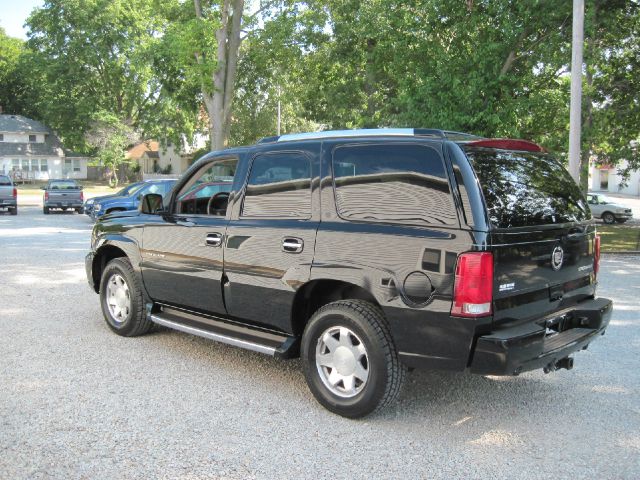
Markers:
point(371, 132)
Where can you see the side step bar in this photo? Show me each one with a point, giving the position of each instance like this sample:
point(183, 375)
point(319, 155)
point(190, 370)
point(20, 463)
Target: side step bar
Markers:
point(238, 335)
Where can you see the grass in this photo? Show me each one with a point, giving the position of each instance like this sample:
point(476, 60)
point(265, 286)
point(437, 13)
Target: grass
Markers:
point(91, 187)
point(619, 238)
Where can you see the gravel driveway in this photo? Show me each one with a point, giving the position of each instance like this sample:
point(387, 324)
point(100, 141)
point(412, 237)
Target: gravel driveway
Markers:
point(77, 401)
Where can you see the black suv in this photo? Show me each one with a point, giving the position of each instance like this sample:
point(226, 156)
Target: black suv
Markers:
point(367, 253)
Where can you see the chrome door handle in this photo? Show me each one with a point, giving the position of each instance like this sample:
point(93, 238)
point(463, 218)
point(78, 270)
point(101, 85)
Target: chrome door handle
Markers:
point(213, 239)
point(292, 245)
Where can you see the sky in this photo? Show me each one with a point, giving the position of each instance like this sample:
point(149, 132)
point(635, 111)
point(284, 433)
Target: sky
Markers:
point(13, 14)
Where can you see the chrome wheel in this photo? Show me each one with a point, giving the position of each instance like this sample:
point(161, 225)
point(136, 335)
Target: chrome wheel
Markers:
point(118, 298)
point(342, 362)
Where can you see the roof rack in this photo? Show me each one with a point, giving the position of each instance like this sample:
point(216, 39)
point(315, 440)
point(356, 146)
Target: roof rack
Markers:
point(371, 132)
point(506, 144)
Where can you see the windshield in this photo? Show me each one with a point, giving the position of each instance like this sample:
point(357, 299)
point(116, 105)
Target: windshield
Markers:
point(130, 189)
point(526, 188)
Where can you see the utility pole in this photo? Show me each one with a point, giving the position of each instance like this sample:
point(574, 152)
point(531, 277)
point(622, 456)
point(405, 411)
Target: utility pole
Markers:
point(279, 114)
point(575, 116)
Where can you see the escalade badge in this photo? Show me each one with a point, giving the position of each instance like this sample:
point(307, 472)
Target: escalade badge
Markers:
point(557, 257)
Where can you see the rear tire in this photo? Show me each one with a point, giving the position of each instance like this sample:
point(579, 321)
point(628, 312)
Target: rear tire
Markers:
point(79, 210)
point(45, 210)
point(608, 218)
point(14, 211)
point(122, 301)
point(350, 361)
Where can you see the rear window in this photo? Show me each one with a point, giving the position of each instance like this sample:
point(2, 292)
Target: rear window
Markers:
point(63, 185)
point(5, 181)
point(526, 188)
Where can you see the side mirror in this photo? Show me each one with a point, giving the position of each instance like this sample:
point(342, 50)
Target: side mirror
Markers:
point(151, 204)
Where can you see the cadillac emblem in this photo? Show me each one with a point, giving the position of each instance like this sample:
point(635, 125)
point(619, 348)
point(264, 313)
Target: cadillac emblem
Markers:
point(557, 257)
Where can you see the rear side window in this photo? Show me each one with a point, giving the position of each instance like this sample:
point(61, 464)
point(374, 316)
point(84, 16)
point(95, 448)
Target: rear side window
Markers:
point(396, 183)
point(279, 186)
point(526, 188)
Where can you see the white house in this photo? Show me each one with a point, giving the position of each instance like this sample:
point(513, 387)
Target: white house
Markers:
point(156, 158)
point(605, 178)
point(31, 151)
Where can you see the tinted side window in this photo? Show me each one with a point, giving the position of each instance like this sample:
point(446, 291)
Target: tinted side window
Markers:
point(399, 183)
point(279, 185)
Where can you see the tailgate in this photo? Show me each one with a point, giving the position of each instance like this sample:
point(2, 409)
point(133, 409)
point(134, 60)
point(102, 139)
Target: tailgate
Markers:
point(540, 270)
point(64, 196)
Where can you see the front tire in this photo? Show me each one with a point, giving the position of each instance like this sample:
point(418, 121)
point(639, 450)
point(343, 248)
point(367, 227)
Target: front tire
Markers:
point(122, 301)
point(608, 218)
point(621, 220)
point(350, 361)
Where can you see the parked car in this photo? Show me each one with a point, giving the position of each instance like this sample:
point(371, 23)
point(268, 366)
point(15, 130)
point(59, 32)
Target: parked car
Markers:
point(8, 195)
point(366, 253)
point(609, 211)
point(129, 189)
point(62, 195)
point(131, 199)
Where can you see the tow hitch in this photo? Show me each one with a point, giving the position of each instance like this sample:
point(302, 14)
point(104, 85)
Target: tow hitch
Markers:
point(566, 362)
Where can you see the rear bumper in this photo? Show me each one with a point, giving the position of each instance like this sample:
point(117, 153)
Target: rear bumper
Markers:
point(12, 202)
point(63, 204)
point(517, 349)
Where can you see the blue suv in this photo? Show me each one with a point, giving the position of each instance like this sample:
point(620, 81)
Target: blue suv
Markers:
point(131, 199)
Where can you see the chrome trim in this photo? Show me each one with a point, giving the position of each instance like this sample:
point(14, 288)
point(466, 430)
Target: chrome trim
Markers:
point(362, 132)
point(256, 347)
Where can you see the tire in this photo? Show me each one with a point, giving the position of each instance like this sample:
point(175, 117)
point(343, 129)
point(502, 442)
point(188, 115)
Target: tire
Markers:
point(14, 211)
point(45, 210)
point(357, 328)
point(127, 315)
point(608, 218)
point(79, 210)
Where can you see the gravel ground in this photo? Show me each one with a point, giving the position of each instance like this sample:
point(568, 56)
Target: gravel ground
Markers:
point(77, 401)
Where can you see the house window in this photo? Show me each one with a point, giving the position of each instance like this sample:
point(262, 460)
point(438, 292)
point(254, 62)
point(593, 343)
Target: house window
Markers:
point(35, 165)
point(15, 164)
point(44, 165)
point(32, 138)
point(76, 165)
point(25, 165)
point(1, 137)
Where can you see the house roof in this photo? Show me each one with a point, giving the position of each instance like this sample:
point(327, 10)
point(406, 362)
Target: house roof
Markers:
point(11, 149)
point(20, 124)
point(135, 152)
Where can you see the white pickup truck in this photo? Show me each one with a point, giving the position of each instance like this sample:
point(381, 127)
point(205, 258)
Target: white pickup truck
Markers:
point(8, 195)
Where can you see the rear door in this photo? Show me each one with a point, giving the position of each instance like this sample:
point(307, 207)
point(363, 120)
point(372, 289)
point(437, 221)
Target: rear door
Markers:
point(542, 236)
point(271, 238)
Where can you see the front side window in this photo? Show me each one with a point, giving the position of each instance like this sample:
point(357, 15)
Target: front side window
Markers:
point(207, 191)
point(279, 186)
point(394, 183)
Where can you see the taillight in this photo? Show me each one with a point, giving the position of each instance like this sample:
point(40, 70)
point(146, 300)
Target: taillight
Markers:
point(473, 287)
point(46, 195)
point(15, 192)
point(596, 255)
point(82, 196)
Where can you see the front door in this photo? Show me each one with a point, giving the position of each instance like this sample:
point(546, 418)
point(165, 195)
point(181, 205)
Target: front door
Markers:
point(182, 251)
point(271, 238)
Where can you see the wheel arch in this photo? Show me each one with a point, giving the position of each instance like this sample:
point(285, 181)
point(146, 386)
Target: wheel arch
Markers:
point(319, 292)
point(104, 255)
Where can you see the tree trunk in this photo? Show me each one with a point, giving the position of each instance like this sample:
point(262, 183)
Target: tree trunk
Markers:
point(219, 103)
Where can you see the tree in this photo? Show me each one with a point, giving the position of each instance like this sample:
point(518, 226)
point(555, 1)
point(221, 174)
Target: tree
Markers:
point(11, 49)
point(109, 137)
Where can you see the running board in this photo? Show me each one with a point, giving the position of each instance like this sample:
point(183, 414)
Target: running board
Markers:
point(258, 340)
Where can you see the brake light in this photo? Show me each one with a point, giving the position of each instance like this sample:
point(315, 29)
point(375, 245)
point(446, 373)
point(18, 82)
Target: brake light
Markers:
point(596, 255)
point(15, 192)
point(46, 195)
point(473, 287)
point(81, 196)
point(507, 144)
